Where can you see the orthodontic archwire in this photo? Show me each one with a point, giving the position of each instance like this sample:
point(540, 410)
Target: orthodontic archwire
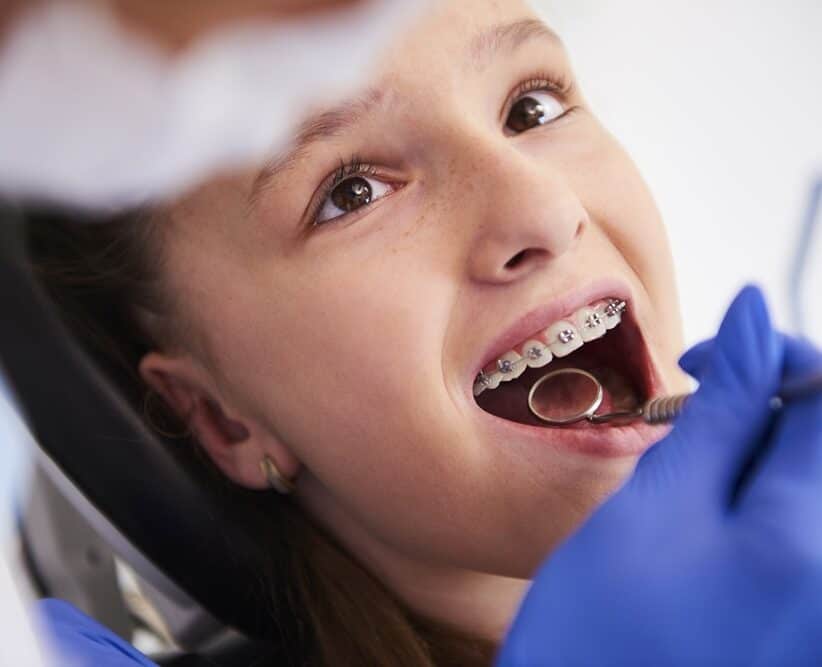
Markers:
point(614, 308)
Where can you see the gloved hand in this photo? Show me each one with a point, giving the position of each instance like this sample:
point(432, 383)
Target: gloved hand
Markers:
point(79, 641)
point(711, 554)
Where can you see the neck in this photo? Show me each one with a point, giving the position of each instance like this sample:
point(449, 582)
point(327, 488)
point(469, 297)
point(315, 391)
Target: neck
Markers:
point(479, 604)
point(476, 603)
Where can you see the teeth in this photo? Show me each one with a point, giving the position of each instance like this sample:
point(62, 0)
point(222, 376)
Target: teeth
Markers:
point(611, 311)
point(536, 353)
point(494, 380)
point(563, 338)
point(510, 366)
point(590, 323)
point(485, 381)
point(559, 340)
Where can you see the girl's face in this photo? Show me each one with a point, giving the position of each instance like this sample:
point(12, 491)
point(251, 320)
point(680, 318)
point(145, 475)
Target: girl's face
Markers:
point(341, 301)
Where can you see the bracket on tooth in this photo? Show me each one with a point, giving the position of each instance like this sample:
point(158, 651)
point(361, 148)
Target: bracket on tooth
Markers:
point(534, 353)
point(593, 320)
point(615, 307)
point(566, 336)
point(505, 366)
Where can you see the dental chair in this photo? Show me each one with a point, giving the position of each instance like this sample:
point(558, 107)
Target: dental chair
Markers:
point(107, 491)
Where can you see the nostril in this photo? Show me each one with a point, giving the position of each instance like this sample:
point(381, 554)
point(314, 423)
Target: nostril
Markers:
point(515, 260)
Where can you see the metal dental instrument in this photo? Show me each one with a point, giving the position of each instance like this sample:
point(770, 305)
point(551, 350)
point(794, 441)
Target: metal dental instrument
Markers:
point(654, 411)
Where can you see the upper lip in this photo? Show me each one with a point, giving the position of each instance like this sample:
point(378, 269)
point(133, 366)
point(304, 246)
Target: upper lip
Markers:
point(544, 315)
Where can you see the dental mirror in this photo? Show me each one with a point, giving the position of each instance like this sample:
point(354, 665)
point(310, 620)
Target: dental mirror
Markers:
point(565, 396)
point(570, 395)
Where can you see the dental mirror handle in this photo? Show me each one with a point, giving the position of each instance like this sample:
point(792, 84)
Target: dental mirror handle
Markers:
point(667, 408)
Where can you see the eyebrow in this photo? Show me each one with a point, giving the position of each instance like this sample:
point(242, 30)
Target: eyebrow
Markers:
point(507, 37)
point(325, 125)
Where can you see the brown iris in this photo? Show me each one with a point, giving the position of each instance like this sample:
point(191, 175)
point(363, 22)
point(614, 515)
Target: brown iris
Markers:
point(352, 194)
point(525, 114)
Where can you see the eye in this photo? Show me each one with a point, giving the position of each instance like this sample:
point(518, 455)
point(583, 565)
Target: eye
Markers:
point(351, 194)
point(537, 107)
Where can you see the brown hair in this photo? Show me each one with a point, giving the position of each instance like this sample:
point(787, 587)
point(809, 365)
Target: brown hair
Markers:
point(105, 280)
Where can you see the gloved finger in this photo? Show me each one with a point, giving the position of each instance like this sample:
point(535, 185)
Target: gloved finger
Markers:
point(694, 360)
point(725, 420)
point(802, 357)
point(788, 478)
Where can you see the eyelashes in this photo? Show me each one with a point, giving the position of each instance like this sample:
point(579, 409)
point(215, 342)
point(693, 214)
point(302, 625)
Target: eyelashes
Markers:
point(556, 84)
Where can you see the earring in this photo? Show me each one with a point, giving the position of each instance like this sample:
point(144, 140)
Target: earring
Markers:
point(275, 478)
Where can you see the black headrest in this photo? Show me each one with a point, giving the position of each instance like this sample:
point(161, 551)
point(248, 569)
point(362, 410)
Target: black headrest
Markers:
point(83, 426)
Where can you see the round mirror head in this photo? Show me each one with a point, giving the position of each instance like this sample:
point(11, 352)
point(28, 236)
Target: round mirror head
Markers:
point(565, 396)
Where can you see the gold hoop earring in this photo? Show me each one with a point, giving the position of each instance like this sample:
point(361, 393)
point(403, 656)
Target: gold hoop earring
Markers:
point(274, 477)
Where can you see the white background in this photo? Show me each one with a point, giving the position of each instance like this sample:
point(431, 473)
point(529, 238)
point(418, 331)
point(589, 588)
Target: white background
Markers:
point(720, 105)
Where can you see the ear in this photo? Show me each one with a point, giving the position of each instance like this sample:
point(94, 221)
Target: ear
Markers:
point(235, 443)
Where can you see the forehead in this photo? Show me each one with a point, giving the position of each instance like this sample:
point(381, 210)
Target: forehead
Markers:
point(450, 42)
point(453, 34)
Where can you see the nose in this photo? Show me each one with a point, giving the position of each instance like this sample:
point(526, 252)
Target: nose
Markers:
point(528, 215)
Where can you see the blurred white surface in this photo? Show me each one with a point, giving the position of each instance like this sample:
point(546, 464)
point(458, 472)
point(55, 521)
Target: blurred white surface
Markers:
point(12, 460)
point(94, 116)
point(17, 644)
point(719, 103)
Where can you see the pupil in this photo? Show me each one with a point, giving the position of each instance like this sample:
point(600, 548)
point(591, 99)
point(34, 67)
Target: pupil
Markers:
point(525, 114)
point(351, 194)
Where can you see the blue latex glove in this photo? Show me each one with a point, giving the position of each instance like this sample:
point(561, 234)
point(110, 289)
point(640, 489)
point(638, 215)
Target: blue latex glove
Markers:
point(701, 558)
point(80, 641)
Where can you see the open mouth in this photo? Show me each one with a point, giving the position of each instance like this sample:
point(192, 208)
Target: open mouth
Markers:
point(605, 343)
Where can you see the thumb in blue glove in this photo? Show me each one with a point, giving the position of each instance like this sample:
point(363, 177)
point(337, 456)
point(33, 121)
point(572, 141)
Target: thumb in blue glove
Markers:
point(701, 558)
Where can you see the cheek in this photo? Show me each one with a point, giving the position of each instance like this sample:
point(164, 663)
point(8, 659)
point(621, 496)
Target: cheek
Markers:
point(346, 367)
point(619, 201)
point(620, 204)
point(333, 354)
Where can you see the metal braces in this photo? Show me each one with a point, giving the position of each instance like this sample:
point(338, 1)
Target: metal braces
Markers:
point(614, 309)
